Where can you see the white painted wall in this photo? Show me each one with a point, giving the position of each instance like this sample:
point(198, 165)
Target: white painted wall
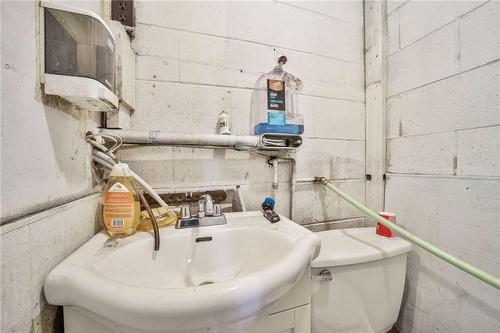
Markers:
point(45, 162)
point(443, 143)
point(45, 159)
point(195, 59)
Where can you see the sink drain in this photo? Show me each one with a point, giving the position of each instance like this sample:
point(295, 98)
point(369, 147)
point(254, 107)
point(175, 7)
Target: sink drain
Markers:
point(205, 283)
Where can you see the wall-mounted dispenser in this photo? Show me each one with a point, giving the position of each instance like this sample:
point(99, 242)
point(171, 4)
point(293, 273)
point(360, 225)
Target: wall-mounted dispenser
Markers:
point(78, 57)
point(275, 102)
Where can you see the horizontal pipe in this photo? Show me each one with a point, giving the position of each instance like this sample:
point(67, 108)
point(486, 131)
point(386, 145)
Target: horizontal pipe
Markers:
point(182, 139)
point(468, 268)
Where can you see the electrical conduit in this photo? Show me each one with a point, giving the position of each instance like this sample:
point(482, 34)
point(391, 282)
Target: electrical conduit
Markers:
point(472, 270)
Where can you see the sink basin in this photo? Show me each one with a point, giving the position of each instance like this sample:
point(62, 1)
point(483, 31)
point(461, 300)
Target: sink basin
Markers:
point(203, 278)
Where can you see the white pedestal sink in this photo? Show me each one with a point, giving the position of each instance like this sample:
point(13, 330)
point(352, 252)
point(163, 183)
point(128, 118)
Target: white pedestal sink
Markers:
point(217, 278)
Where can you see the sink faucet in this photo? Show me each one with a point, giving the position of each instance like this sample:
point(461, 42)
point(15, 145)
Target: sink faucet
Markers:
point(208, 214)
point(206, 205)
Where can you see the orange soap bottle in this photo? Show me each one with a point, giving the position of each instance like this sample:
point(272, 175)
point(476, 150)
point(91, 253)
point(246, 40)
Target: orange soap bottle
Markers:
point(121, 206)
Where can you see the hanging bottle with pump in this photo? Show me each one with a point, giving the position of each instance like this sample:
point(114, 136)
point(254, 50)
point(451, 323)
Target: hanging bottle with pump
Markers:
point(275, 108)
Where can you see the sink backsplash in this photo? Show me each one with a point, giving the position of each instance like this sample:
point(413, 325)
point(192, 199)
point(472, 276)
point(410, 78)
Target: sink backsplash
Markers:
point(230, 199)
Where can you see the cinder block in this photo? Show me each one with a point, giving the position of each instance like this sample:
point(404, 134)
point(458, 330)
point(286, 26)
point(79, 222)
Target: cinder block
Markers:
point(479, 31)
point(343, 41)
point(153, 164)
point(157, 68)
point(432, 58)
point(185, 108)
point(305, 30)
point(253, 21)
point(479, 152)
point(304, 203)
point(333, 119)
point(156, 41)
point(209, 17)
point(356, 74)
point(373, 61)
point(429, 154)
point(374, 15)
point(339, 224)
point(328, 206)
point(470, 210)
point(220, 76)
point(254, 195)
point(197, 167)
point(467, 100)
point(444, 212)
point(125, 65)
point(419, 18)
point(226, 53)
point(394, 4)
point(350, 11)
point(454, 235)
point(321, 76)
point(333, 159)
point(39, 243)
point(15, 294)
point(393, 33)
point(14, 244)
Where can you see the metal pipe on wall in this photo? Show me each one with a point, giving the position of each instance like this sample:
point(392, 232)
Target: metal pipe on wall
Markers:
point(182, 139)
point(275, 163)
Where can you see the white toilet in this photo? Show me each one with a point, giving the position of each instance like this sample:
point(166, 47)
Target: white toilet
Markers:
point(367, 281)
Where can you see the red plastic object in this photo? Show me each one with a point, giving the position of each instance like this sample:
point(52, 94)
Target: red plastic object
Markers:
point(382, 230)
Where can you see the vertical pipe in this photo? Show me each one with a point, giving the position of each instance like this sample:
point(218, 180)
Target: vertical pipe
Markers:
point(276, 175)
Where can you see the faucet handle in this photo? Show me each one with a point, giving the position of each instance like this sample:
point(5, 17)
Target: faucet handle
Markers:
point(185, 212)
point(217, 210)
point(201, 208)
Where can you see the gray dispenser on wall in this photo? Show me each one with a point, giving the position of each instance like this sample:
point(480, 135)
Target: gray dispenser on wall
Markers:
point(78, 57)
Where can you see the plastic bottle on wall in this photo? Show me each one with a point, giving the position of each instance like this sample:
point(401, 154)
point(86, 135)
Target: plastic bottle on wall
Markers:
point(275, 106)
point(121, 205)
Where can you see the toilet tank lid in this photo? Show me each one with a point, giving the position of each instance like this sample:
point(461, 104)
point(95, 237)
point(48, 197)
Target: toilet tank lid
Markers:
point(356, 245)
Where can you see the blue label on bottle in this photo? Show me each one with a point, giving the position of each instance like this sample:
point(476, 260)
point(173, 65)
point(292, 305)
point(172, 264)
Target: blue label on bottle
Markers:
point(276, 118)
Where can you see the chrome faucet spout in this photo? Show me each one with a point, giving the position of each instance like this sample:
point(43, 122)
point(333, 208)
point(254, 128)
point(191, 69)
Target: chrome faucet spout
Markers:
point(208, 204)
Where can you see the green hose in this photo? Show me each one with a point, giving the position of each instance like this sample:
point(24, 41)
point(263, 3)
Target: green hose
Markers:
point(474, 271)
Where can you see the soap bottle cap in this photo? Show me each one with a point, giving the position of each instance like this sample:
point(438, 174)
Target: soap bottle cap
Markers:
point(120, 170)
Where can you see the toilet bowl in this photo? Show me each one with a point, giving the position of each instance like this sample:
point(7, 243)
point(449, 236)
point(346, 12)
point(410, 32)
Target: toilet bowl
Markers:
point(366, 286)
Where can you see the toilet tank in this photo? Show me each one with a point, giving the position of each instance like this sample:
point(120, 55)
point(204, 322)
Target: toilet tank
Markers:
point(366, 289)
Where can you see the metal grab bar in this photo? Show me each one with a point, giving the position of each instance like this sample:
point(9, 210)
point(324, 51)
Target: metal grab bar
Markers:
point(468, 268)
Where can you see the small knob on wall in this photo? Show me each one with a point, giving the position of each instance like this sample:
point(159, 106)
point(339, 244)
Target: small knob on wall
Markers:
point(282, 60)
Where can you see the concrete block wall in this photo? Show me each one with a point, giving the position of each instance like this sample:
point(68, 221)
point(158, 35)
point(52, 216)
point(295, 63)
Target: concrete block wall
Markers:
point(195, 59)
point(47, 206)
point(443, 146)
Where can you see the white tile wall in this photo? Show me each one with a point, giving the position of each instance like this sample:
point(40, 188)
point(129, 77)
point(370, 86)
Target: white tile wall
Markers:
point(443, 120)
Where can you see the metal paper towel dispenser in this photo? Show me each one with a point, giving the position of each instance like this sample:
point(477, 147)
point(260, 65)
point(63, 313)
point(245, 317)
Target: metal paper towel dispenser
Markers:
point(78, 57)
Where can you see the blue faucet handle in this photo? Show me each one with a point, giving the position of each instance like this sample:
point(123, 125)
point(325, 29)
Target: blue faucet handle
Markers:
point(270, 202)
